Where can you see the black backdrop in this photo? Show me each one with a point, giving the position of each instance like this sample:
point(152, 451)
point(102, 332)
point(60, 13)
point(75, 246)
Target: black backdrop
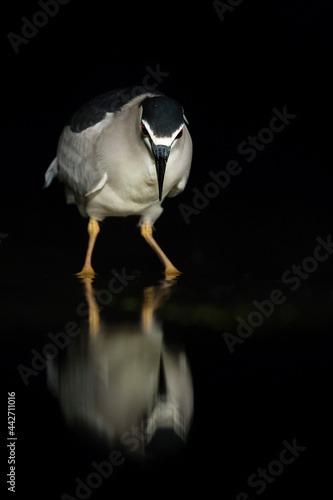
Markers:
point(230, 71)
point(229, 67)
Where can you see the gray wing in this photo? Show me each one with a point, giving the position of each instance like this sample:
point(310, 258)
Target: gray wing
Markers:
point(77, 163)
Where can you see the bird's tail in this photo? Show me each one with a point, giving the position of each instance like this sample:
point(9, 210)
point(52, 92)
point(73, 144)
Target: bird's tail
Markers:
point(51, 173)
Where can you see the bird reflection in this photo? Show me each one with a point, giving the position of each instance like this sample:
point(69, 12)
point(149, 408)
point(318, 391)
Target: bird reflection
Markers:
point(124, 383)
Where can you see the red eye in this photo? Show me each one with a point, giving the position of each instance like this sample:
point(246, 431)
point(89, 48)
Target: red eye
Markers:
point(144, 131)
point(178, 136)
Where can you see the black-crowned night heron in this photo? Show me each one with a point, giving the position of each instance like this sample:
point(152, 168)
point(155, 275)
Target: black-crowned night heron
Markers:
point(122, 154)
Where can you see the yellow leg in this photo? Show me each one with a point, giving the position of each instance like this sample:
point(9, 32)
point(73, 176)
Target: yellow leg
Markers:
point(93, 230)
point(147, 232)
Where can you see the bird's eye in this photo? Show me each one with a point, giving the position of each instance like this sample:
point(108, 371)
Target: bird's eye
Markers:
point(144, 131)
point(178, 136)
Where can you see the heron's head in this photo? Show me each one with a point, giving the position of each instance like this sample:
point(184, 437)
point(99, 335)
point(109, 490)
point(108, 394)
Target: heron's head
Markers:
point(162, 125)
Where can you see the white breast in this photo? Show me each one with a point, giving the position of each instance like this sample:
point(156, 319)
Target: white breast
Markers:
point(131, 187)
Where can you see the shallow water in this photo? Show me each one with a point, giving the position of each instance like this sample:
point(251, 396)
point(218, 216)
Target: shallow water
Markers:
point(165, 391)
point(158, 382)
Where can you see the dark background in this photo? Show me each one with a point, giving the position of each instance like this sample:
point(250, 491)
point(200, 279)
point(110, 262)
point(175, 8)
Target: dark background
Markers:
point(228, 76)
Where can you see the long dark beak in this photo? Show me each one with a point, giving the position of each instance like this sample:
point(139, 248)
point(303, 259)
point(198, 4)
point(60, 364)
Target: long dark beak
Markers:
point(161, 155)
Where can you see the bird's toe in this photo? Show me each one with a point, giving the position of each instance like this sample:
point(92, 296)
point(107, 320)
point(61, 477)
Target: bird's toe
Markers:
point(86, 272)
point(172, 273)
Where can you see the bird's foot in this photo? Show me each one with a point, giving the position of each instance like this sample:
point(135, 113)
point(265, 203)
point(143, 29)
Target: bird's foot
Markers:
point(86, 272)
point(171, 273)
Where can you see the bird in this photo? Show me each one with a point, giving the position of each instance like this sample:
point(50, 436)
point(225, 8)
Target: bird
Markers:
point(122, 153)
